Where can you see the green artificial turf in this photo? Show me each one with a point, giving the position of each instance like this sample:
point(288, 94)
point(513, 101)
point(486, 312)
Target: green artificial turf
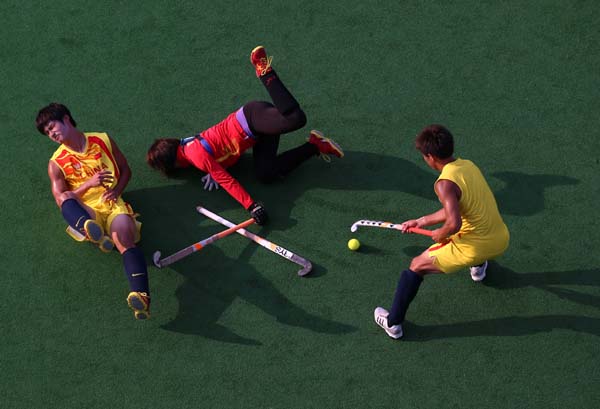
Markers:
point(233, 326)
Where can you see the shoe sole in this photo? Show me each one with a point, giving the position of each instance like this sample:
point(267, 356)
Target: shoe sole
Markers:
point(135, 303)
point(142, 315)
point(139, 307)
point(106, 245)
point(93, 231)
point(333, 144)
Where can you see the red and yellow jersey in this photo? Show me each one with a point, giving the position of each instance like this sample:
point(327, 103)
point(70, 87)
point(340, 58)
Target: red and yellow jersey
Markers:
point(78, 167)
point(221, 146)
point(228, 140)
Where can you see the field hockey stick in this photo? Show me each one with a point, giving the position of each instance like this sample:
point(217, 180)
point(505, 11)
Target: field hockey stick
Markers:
point(388, 225)
point(197, 246)
point(302, 262)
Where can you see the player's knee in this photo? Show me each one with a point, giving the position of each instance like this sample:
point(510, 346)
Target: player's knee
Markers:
point(417, 265)
point(123, 240)
point(123, 232)
point(298, 118)
point(64, 196)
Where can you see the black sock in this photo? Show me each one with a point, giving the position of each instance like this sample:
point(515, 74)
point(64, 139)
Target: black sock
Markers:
point(291, 159)
point(283, 100)
point(135, 269)
point(74, 214)
point(407, 288)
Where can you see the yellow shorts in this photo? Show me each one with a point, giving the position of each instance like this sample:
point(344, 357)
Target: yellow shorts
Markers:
point(107, 211)
point(468, 250)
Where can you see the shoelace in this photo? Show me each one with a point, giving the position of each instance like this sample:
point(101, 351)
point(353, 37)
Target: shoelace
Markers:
point(325, 157)
point(265, 64)
point(322, 155)
point(382, 321)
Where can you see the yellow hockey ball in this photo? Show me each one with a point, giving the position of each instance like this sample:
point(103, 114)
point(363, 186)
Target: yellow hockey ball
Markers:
point(353, 244)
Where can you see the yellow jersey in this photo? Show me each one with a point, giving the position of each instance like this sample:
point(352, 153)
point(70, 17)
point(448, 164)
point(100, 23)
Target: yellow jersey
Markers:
point(78, 167)
point(483, 234)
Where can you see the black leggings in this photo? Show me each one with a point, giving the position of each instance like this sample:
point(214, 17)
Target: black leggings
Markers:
point(267, 122)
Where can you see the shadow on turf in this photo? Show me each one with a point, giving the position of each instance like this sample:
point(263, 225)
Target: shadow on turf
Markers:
point(523, 194)
point(503, 278)
point(215, 281)
point(502, 327)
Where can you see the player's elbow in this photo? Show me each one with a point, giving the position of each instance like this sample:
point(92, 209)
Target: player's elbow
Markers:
point(454, 225)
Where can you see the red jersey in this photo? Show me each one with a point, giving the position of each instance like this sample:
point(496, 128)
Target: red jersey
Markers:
point(218, 148)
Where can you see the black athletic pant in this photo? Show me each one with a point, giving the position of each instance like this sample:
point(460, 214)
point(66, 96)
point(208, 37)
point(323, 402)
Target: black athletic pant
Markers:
point(267, 122)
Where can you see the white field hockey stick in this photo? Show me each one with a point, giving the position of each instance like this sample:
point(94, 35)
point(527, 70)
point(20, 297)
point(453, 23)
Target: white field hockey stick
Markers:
point(302, 262)
point(197, 246)
point(388, 225)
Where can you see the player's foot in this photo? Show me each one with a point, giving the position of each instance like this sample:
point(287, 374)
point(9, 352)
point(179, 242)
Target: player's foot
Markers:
point(106, 244)
point(140, 304)
point(478, 272)
point(325, 145)
point(381, 318)
point(93, 231)
point(260, 60)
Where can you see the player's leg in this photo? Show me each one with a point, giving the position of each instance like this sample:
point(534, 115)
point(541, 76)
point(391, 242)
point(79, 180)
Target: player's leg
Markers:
point(268, 164)
point(80, 217)
point(406, 290)
point(124, 233)
point(268, 122)
point(282, 117)
point(408, 285)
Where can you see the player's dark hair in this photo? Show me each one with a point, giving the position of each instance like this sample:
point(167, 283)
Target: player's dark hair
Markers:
point(52, 112)
point(163, 154)
point(435, 140)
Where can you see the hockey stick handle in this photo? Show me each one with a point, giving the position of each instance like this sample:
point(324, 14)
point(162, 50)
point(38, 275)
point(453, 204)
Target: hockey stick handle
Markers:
point(301, 261)
point(388, 225)
point(199, 245)
point(418, 230)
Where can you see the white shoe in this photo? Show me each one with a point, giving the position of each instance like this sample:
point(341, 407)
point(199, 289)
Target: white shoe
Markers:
point(380, 315)
point(478, 272)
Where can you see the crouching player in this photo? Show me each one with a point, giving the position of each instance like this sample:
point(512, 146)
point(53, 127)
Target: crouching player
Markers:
point(88, 173)
point(472, 231)
point(257, 125)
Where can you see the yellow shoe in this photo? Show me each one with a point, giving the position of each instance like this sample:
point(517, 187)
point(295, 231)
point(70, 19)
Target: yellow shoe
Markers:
point(140, 304)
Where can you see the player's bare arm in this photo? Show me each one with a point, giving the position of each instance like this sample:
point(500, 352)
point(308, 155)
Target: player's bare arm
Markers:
point(124, 174)
point(449, 195)
point(59, 184)
point(424, 221)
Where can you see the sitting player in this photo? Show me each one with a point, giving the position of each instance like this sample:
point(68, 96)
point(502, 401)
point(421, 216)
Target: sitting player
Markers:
point(472, 231)
point(257, 125)
point(88, 173)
